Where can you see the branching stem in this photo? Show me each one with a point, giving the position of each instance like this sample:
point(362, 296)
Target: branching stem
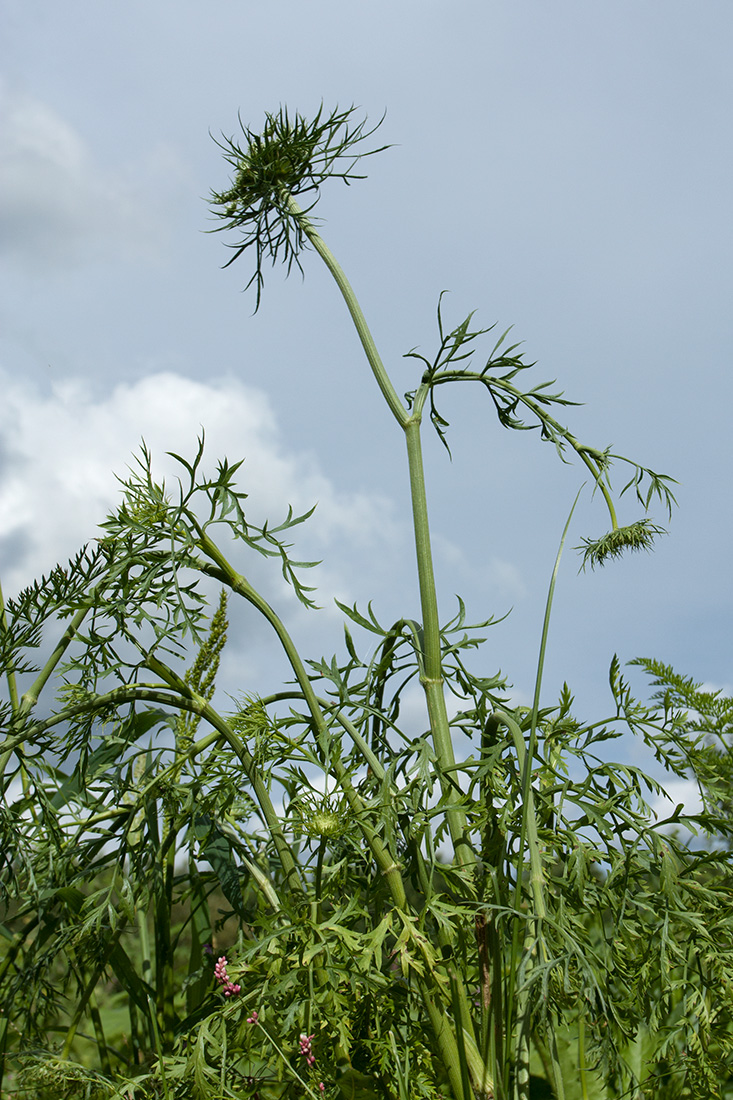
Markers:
point(224, 572)
point(30, 697)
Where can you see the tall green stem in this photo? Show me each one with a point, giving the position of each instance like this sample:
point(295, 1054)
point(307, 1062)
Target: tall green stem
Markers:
point(432, 672)
point(432, 678)
point(431, 665)
point(529, 831)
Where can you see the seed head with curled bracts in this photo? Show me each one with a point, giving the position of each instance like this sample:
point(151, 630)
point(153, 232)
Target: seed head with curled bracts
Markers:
point(635, 536)
point(291, 156)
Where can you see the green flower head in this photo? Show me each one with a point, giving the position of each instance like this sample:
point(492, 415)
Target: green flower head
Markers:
point(322, 818)
point(291, 156)
point(637, 536)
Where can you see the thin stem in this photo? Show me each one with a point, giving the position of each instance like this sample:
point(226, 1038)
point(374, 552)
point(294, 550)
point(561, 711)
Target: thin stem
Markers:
point(598, 478)
point(529, 834)
point(158, 1047)
point(99, 1036)
point(536, 869)
point(367, 340)
point(544, 417)
point(30, 697)
point(384, 859)
point(525, 756)
point(207, 712)
point(543, 641)
point(163, 918)
point(529, 830)
point(373, 761)
point(286, 1060)
point(9, 673)
point(582, 1067)
point(521, 1078)
point(318, 886)
point(529, 821)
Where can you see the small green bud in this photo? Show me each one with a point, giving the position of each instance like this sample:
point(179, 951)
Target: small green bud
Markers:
point(324, 823)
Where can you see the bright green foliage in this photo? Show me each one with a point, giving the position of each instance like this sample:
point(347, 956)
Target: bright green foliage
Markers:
point(298, 893)
point(706, 718)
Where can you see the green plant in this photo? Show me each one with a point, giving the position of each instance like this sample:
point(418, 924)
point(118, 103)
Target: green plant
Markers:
point(706, 719)
point(298, 894)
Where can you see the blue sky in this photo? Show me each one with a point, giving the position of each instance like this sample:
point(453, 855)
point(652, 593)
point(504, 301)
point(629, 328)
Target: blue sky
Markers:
point(562, 167)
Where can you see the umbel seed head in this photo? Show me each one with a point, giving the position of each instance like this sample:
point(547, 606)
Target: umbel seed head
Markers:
point(290, 156)
point(637, 536)
point(280, 157)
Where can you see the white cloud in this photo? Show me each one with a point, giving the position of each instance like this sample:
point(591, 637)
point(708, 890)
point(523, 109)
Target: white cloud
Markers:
point(60, 451)
point(60, 454)
point(57, 204)
point(725, 690)
point(677, 792)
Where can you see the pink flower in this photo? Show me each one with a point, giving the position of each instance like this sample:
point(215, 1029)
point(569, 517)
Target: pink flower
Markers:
point(305, 1048)
point(220, 973)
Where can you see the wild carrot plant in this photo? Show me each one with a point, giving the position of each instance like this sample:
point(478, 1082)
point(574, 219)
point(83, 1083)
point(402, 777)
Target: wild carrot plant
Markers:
point(400, 920)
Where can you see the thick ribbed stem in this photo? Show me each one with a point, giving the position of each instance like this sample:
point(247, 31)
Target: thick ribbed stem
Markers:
point(432, 672)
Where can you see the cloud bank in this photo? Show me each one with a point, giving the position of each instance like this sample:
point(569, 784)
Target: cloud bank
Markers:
point(58, 206)
point(60, 453)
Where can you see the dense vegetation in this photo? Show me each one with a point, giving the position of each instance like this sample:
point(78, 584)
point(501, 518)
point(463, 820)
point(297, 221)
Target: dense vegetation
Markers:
point(294, 892)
